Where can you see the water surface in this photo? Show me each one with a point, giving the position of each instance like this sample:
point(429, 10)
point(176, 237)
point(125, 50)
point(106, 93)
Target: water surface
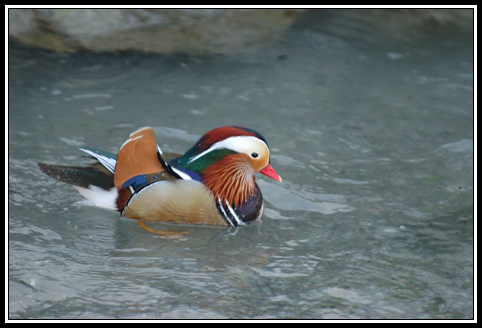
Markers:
point(374, 218)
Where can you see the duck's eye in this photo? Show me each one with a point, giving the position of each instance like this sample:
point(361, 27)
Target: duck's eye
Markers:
point(254, 155)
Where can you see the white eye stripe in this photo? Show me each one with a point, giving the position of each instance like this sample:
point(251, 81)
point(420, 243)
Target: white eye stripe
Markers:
point(239, 144)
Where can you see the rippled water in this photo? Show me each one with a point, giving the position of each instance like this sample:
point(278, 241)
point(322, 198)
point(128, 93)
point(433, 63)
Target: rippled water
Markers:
point(374, 218)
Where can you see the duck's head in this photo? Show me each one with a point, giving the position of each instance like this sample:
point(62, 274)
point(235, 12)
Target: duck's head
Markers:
point(226, 159)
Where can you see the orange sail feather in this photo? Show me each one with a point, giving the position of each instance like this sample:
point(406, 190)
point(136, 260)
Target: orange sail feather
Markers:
point(138, 155)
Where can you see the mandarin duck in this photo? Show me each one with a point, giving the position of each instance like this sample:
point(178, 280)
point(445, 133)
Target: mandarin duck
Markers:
point(213, 183)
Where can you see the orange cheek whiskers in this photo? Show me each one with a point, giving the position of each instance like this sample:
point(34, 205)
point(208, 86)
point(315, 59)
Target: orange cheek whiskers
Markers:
point(231, 179)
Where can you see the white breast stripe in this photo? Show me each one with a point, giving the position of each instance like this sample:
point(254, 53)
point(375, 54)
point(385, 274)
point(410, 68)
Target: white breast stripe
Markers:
point(226, 217)
point(238, 221)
